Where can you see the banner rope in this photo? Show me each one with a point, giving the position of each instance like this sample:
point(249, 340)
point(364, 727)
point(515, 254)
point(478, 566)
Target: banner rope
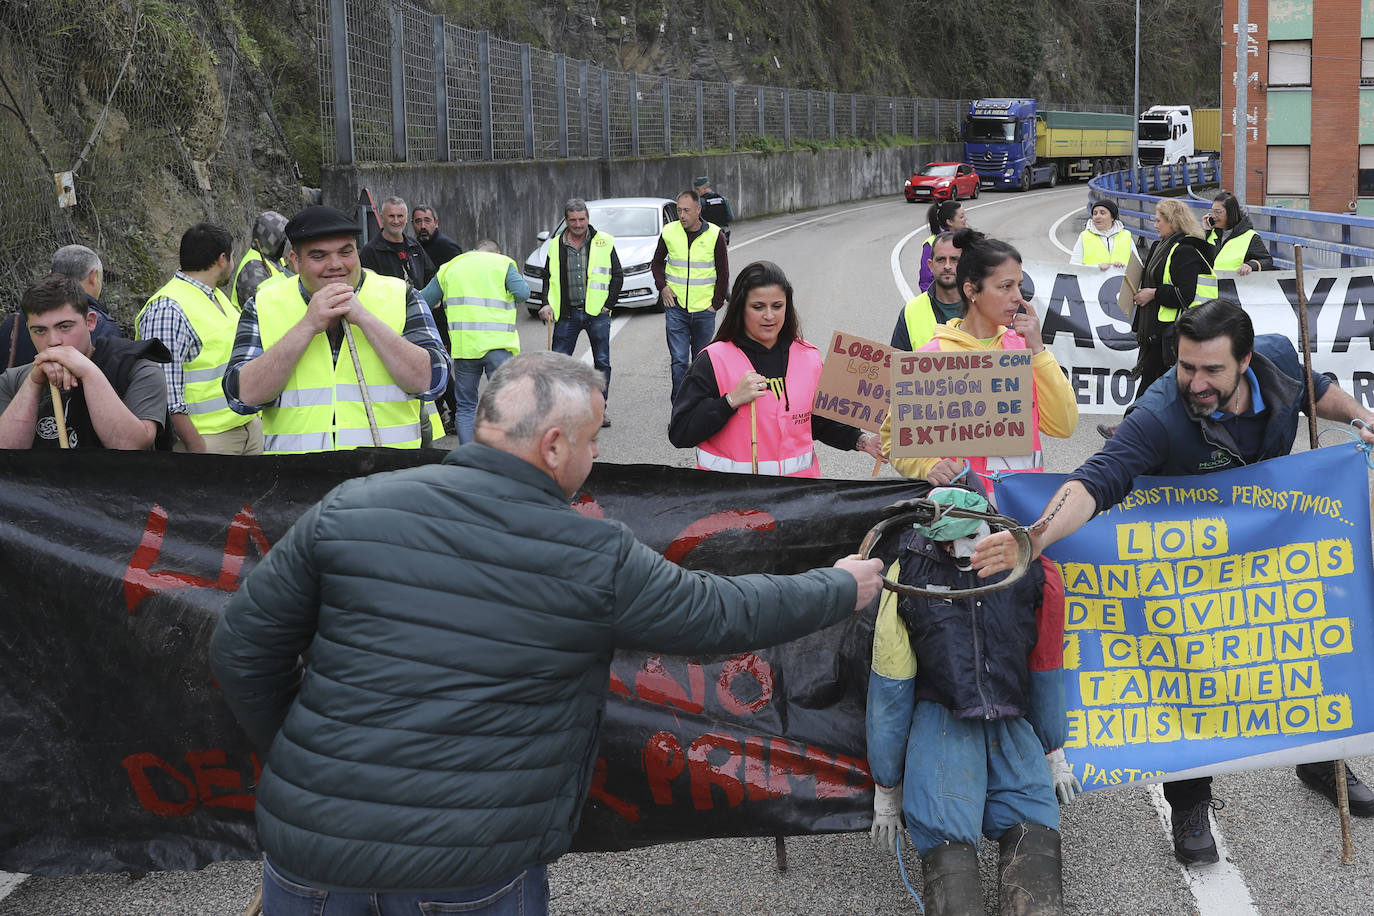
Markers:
point(1355, 425)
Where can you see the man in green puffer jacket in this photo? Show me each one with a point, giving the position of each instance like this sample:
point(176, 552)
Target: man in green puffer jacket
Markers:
point(456, 624)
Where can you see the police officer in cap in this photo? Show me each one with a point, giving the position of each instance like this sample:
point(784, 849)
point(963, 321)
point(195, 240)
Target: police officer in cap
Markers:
point(288, 358)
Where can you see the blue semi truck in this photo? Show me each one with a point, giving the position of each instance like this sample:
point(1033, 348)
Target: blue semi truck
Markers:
point(1011, 145)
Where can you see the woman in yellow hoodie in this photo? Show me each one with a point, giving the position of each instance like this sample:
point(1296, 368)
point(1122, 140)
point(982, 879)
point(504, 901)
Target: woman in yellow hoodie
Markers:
point(995, 318)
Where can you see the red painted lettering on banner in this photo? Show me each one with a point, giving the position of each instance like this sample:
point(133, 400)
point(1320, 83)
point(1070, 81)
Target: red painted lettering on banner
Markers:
point(210, 773)
point(758, 669)
point(702, 529)
point(663, 762)
point(140, 580)
point(587, 505)
point(599, 793)
point(761, 782)
point(138, 765)
point(655, 684)
point(725, 773)
point(208, 776)
point(835, 776)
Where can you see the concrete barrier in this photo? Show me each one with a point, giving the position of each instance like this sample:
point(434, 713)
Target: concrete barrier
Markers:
point(511, 202)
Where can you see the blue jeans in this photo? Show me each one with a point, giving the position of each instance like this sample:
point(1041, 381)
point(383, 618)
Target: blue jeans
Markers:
point(966, 776)
point(525, 894)
point(687, 333)
point(467, 375)
point(598, 329)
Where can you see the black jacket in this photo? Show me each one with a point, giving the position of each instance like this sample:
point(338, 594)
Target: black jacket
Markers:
point(617, 272)
point(971, 653)
point(385, 258)
point(1193, 257)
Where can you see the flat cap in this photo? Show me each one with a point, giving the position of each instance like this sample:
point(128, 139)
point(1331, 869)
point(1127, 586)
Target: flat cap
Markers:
point(320, 222)
point(703, 180)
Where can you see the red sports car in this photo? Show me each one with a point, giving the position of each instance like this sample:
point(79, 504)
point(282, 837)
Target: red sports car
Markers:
point(942, 181)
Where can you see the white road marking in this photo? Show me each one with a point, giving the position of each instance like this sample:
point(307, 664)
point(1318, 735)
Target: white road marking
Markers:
point(1218, 889)
point(1054, 238)
point(9, 883)
point(903, 288)
point(618, 323)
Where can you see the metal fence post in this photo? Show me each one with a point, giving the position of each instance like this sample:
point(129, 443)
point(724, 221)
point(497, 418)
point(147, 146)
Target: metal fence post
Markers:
point(892, 107)
point(484, 92)
point(787, 119)
point(560, 78)
point(853, 115)
point(730, 104)
point(441, 135)
point(810, 116)
point(831, 114)
point(667, 117)
point(605, 113)
point(527, 102)
point(701, 118)
point(874, 125)
point(763, 126)
point(634, 115)
point(584, 103)
point(338, 65)
point(916, 120)
point(398, 85)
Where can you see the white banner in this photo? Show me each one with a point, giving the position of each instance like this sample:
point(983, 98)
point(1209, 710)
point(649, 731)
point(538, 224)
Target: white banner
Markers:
point(1093, 342)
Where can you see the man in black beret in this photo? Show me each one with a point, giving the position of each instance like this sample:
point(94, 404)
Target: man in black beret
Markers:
point(287, 351)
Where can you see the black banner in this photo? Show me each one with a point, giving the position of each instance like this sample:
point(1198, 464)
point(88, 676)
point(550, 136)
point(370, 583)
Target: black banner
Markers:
point(116, 752)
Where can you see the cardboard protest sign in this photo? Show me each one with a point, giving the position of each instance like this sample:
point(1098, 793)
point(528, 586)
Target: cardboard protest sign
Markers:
point(1217, 623)
point(854, 382)
point(966, 404)
point(1125, 300)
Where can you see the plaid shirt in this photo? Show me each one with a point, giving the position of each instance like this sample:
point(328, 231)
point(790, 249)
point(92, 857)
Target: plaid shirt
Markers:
point(419, 329)
point(164, 320)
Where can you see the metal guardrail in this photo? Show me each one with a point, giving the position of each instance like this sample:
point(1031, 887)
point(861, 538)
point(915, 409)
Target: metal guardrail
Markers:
point(1328, 239)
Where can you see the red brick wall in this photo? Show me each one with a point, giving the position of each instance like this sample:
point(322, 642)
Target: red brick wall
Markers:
point(1258, 69)
point(1335, 104)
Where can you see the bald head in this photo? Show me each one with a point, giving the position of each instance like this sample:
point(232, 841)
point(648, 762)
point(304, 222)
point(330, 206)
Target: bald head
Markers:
point(546, 409)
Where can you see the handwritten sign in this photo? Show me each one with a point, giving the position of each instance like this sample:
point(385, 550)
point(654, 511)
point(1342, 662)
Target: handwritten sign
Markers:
point(962, 405)
point(854, 382)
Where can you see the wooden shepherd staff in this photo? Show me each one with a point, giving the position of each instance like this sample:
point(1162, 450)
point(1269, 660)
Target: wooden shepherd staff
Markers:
point(362, 383)
point(59, 416)
point(1342, 793)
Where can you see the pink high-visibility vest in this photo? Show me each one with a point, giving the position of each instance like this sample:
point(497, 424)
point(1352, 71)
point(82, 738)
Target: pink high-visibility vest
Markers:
point(785, 445)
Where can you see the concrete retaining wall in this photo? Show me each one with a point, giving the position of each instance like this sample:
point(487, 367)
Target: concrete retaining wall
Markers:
point(513, 201)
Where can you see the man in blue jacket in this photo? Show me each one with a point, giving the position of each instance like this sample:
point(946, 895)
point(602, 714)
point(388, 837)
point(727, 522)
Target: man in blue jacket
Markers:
point(1231, 400)
point(457, 623)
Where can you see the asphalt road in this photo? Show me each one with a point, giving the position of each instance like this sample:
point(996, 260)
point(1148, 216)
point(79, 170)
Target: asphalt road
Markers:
point(1283, 841)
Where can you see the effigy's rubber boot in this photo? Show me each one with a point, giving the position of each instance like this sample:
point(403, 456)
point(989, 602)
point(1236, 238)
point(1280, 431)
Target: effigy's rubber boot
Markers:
point(1030, 872)
point(952, 885)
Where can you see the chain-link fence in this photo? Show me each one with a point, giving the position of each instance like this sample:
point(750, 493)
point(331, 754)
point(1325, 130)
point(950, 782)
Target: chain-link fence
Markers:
point(509, 101)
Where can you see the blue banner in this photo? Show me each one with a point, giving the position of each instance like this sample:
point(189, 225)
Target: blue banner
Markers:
point(1218, 622)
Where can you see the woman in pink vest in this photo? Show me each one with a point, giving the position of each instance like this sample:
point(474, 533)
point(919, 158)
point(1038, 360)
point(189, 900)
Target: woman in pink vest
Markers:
point(758, 363)
point(996, 318)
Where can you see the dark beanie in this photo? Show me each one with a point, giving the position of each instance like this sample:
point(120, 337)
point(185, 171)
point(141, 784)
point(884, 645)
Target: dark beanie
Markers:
point(1105, 202)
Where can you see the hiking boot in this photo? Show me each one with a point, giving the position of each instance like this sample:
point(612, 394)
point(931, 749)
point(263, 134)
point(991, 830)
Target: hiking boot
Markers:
point(1030, 872)
point(1321, 778)
point(952, 885)
point(1105, 431)
point(1193, 843)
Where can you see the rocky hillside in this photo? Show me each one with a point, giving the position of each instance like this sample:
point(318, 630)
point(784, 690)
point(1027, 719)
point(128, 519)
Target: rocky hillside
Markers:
point(174, 111)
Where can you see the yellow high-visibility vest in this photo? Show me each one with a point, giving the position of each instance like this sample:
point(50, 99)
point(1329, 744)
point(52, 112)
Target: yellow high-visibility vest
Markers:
point(1232, 254)
point(215, 324)
point(321, 407)
point(1095, 249)
point(1206, 288)
point(274, 269)
point(600, 248)
point(481, 311)
point(690, 268)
